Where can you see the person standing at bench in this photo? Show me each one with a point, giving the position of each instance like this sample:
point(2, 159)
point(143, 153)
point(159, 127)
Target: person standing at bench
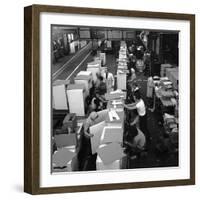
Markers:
point(139, 105)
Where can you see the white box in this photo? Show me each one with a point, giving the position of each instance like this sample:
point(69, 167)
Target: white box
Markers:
point(72, 165)
point(76, 98)
point(112, 134)
point(101, 166)
point(84, 80)
point(59, 95)
point(85, 73)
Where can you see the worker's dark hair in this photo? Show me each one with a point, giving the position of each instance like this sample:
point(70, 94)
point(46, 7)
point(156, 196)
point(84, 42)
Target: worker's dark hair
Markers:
point(100, 78)
point(137, 95)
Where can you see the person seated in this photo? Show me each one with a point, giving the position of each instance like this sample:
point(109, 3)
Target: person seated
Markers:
point(136, 143)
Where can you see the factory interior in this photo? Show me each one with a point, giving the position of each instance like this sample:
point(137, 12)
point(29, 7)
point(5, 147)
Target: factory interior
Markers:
point(115, 99)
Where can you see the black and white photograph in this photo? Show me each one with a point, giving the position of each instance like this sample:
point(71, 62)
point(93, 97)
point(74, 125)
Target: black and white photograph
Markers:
point(114, 98)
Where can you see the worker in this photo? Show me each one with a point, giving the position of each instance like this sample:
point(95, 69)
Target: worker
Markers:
point(135, 88)
point(90, 121)
point(108, 79)
point(85, 151)
point(86, 143)
point(139, 105)
point(136, 142)
point(102, 86)
point(156, 96)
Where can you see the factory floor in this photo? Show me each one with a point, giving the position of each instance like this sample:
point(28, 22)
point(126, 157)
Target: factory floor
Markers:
point(151, 158)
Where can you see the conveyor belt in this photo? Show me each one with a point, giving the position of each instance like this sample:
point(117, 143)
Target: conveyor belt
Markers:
point(66, 69)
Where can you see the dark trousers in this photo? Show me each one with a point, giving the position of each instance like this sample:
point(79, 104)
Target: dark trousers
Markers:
point(143, 127)
point(84, 151)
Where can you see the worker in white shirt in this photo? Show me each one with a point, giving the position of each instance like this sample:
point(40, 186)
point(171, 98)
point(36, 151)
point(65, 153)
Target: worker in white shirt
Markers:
point(109, 80)
point(141, 109)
